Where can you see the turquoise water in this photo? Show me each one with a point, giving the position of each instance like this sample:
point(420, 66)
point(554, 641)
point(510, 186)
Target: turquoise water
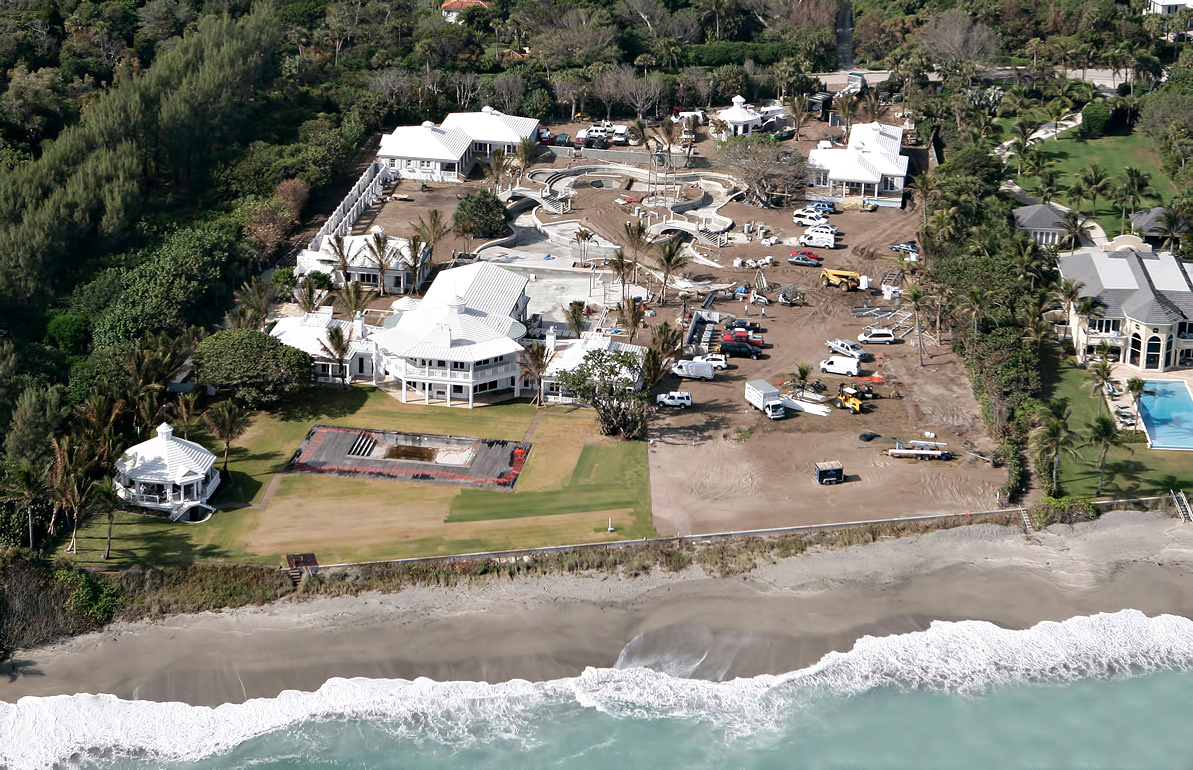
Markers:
point(1167, 411)
point(1106, 691)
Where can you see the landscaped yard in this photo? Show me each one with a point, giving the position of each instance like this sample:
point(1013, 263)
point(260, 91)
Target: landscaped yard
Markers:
point(1131, 471)
point(1112, 153)
point(574, 481)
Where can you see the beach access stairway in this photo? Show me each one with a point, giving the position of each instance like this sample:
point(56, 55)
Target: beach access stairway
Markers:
point(1027, 526)
point(1181, 503)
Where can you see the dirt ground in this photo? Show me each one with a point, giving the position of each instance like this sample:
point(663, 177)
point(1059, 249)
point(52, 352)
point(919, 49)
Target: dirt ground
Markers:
point(723, 466)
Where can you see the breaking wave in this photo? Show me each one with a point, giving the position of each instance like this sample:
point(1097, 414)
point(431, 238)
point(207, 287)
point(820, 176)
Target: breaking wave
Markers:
point(965, 658)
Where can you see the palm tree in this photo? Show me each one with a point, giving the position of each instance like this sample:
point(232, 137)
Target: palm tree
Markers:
point(352, 299)
point(339, 252)
point(671, 259)
point(623, 268)
point(802, 372)
point(631, 315)
point(1077, 193)
point(636, 240)
point(666, 136)
point(1098, 377)
point(1047, 185)
point(184, 413)
point(380, 252)
point(307, 297)
point(638, 132)
point(24, 486)
point(418, 260)
point(977, 300)
point(846, 106)
point(255, 296)
point(1169, 227)
point(668, 340)
point(104, 498)
point(498, 166)
point(1074, 226)
point(583, 239)
point(466, 231)
point(68, 483)
point(875, 109)
point(338, 347)
point(1094, 179)
point(227, 422)
point(1103, 434)
point(1055, 111)
point(1049, 439)
point(98, 418)
point(916, 297)
point(799, 105)
point(432, 230)
point(923, 190)
point(575, 316)
point(1138, 185)
point(534, 362)
point(528, 152)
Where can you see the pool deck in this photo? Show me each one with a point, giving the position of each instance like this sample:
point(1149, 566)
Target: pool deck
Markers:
point(1122, 373)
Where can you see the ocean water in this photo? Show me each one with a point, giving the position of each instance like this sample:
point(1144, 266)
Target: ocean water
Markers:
point(1105, 691)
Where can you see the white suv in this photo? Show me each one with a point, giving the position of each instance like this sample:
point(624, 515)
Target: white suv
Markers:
point(877, 337)
point(717, 360)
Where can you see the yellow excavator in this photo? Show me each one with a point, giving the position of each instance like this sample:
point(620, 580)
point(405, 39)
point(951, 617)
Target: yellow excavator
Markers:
point(845, 280)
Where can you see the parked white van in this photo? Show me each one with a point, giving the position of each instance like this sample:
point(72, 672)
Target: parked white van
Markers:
point(696, 370)
point(621, 135)
point(820, 239)
point(683, 117)
point(850, 367)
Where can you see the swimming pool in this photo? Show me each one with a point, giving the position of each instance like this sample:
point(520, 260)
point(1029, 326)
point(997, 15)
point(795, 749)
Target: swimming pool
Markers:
point(1167, 411)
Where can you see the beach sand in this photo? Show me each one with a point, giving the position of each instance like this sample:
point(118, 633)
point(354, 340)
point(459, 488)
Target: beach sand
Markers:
point(779, 617)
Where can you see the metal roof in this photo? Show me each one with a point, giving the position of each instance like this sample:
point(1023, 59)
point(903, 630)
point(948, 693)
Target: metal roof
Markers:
point(425, 142)
point(491, 126)
point(165, 459)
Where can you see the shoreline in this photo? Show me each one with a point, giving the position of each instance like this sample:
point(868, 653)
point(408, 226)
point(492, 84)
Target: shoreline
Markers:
point(780, 617)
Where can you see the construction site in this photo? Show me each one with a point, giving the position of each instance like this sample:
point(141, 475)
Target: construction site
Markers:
point(720, 465)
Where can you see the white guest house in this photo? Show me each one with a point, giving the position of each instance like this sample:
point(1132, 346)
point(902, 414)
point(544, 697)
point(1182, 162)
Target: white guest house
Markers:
point(308, 332)
point(448, 152)
point(870, 165)
point(167, 473)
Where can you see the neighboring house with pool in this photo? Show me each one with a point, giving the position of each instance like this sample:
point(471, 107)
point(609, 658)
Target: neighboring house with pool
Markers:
point(1141, 304)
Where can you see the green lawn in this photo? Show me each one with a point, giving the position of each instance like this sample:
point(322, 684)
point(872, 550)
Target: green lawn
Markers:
point(1112, 153)
point(573, 482)
point(1131, 471)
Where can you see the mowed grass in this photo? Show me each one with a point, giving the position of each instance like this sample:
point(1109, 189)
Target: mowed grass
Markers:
point(1069, 155)
point(1131, 471)
point(574, 481)
point(269, 443)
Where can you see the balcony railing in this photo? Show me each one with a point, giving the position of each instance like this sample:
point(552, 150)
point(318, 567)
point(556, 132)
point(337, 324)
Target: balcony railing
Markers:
point(483, 374)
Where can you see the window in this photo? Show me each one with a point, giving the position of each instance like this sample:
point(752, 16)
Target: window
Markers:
point(1154, 345)
point(424, 164)
point(459, 365)
point(888, 184)
point(369, 278)
point(393, 162)
point(1105, 325)
point(1136, 350)
point(449, 168)
point(820, 178)
point(441, 364)
point(410, 163)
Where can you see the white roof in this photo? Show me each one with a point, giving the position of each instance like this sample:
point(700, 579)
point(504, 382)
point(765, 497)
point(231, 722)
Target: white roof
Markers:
point(872, 152)
point(358, 254)
point(739, 114)
point(571, 353)
point(308, 331)
point(425, 142)
point(465, 316)
point(165, 459)
point(492, 126)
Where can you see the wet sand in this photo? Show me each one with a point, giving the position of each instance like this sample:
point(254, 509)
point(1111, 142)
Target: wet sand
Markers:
point(779, 617)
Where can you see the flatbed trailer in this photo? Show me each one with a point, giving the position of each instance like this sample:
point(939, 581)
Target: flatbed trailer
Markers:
point(920, 450)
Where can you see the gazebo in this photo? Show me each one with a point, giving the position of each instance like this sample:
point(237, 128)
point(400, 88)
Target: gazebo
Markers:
point(739, 119)
point(168, 474)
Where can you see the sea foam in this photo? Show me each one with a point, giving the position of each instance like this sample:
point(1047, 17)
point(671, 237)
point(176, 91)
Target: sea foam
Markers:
point(967, 658)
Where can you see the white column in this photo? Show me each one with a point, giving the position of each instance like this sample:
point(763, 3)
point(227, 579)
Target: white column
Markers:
point(471, 395)
point(426, 392)
point(402, 380)
point(447, 391)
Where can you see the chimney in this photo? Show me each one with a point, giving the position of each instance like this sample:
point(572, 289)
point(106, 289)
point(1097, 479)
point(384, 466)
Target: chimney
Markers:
point(550, 340)
point(358, 326)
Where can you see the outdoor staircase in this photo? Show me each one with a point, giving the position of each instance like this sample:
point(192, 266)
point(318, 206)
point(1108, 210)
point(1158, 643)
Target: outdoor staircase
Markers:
point(363, 446)
point(1027, 526)
point(710, 238)
point(1181, 503)
point(295, 574)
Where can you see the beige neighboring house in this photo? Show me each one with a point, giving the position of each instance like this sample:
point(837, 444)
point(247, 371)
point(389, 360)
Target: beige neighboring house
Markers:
point(1143, 304)
point(1042, 222)
point(169, 474)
